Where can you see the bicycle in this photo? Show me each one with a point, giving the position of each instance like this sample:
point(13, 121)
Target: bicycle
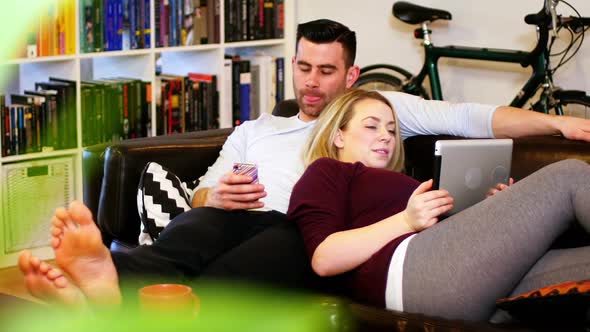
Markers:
point(551, 99)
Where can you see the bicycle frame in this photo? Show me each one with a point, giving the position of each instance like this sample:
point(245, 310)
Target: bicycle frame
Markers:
point(432, 54)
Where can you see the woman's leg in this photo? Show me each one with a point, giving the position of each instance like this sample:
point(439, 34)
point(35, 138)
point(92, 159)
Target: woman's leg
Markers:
point(461, 266)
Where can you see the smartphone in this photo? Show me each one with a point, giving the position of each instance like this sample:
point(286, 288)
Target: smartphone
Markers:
point(247, 169)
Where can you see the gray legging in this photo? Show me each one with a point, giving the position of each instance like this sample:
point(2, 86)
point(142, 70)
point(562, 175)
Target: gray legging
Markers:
point(500, 247)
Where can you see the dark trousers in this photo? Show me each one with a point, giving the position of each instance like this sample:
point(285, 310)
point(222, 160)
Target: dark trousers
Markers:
point(245, 245)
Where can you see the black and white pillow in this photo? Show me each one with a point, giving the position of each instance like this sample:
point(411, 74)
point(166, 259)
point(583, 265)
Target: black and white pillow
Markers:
point(161, 196)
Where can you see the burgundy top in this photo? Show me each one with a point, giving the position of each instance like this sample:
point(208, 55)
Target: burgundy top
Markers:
point(334, 196)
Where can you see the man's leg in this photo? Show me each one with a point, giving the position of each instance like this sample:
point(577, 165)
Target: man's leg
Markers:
point(275, 256)
point(461, 266)
point(189, 243)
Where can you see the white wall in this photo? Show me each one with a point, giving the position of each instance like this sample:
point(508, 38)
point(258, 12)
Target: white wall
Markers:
point(495, 24)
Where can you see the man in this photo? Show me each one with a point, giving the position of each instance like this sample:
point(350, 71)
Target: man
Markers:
point(238, 229)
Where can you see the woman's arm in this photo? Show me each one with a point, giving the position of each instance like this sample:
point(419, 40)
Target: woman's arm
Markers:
point(345, 250)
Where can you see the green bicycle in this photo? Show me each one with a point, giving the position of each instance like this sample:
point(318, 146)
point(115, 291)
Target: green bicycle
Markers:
point(551, 99)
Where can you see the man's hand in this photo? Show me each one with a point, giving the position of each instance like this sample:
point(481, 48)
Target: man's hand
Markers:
point(425, 205)
point(234, 192)
point(574, 128)
point(499, 187)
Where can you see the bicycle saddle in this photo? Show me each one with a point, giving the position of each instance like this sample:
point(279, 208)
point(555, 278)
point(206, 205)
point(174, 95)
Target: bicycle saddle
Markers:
point(414, 14)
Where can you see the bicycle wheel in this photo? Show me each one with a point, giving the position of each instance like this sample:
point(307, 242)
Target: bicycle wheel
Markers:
point(571, 103)
point(387, 78)
point(576, 106)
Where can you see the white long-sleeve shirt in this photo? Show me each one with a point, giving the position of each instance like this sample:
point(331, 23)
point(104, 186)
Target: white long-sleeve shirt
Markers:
point(276, 144)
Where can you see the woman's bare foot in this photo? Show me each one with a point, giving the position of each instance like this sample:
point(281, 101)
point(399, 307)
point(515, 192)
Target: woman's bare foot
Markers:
point(79, 251)
point(47, 283)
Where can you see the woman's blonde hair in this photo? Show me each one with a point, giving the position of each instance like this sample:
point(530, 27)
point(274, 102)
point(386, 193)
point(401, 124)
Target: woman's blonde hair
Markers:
point(336, 116)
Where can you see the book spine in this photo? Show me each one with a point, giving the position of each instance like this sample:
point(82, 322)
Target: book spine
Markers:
point(147, 111)
point(236, 93)
point(61, 27)
point(268, 19)
point(244, 35)
point(158, 5)
point(98, 25)
point(119, 27)
point(279, 19)
point(227, 13)
point(5, 130)
point(245, 86)
point(70, 22)
point(13, 131)
point(260, 28)
point(216, 25)
point(280, 65)
point(147, 32)
point(87, 28)
point(173, 41)
point(225, 107)
point(125, 105)
point(134, 27)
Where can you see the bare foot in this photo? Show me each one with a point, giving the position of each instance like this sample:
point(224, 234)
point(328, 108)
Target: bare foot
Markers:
point(47, 283)
point(79, 251)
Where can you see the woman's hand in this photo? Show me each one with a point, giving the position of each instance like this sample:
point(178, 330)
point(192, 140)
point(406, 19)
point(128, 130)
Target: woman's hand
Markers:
point(425, 205)
point(499, 187)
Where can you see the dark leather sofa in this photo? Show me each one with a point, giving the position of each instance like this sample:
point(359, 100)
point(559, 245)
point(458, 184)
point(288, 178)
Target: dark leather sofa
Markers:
point(111, 175)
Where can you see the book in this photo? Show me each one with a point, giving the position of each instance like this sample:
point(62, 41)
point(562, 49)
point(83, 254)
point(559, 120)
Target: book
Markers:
point(235, 91)
point(225, 89)
point(4, 127)
point(98, 25)
point(48, 118)
point(86, 26)
point(262, 82)
point(146, 15)
point(279, 19)
point(212, 21)
point(280, 79)
point(70, 121)
point(199, 31)
point(70, 26)
point(30, 133)
point(245, 86)
point(269, 23)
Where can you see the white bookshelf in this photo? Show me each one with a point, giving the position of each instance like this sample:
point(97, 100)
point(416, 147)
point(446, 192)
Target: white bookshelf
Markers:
point(21, 74)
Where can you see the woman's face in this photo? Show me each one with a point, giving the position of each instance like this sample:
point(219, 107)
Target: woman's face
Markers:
point(369, 137)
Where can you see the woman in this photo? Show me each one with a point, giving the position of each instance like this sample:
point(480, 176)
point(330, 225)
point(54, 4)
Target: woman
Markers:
point(378, 229)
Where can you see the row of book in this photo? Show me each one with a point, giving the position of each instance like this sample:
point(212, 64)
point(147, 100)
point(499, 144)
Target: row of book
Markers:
point(186, 22)
point(114, 109)
point(54, 33)
point(39, 119)
point(254, 19)
point(114, 25)
point(256, 84)
point(186, 103)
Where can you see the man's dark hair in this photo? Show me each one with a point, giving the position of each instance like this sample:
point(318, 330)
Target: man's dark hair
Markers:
point(327, 31)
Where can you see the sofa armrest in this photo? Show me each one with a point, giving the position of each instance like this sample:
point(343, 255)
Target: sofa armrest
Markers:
point(187, 155)
point(528, 155)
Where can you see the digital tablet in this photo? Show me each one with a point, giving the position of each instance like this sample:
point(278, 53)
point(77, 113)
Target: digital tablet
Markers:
point(469, 168)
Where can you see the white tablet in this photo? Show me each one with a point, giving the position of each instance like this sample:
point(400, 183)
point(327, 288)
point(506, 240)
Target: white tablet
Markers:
point(469, 168)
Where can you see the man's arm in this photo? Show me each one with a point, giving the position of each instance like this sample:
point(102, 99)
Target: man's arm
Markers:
point(515, 122)
point(432, 117)
point(222, 189)
point(232, 192)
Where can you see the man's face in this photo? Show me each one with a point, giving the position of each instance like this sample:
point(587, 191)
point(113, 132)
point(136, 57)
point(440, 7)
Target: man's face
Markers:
point(319, 75)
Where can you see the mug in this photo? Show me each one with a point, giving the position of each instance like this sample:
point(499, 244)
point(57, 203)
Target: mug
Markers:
point(168, 299)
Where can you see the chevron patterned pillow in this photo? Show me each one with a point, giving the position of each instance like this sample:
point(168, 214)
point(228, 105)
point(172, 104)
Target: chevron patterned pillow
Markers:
point(161, 196)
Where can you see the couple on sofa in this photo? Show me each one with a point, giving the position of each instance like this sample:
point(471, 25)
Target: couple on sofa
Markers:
point(398, 265)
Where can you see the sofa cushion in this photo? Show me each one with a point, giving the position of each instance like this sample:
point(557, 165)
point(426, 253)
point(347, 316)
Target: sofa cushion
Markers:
point(568, 301)
point(161, 196)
